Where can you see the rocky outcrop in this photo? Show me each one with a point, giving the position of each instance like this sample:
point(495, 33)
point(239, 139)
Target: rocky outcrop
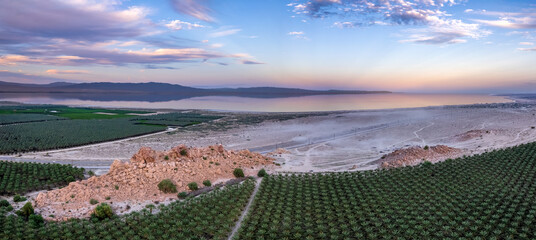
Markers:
point(137, 180)
point(415, 155)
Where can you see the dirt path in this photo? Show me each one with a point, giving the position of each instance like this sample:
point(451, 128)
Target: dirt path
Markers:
point(246, 210)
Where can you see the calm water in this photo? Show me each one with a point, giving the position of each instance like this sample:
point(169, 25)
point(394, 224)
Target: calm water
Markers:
point(290, 104)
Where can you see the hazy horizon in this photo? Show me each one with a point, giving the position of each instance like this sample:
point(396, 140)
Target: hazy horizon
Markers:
point(425, 46)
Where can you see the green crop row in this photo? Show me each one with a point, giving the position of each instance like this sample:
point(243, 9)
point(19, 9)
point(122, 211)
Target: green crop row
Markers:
point(488, 196)
point(209, 216)
point(40, 136)
point(24, 118)
point(175, 119)
point(18, 178)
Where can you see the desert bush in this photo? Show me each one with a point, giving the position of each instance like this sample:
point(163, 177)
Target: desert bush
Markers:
point(207, 183)
point(103, 211)
point(93, 201)
point(238, 173)
point(26, 210)
point(36, 220)
point(193, 186)
point(182, 195)
point(426, 147)
point(4, 203)
point(19, 198)
point(167, 186)
point(262, 173)
point(184, 152)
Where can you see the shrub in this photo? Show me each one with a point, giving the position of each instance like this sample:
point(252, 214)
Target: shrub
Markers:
point(193, 186)
point(262, 173)
point(26, 210)
point(91, 173)
point(167, 186)
point(18, 198)
point(93, 201)
point(426, 164)
point(103, 211)
point(36, 220)
point(166, 157)
point(184, 152)
point(116, 187)
point(207, 183)
point(238, 173)
point(426, 147)
point(4, 203)
point(108, 198)
point(150, 207)
point(70, 179)
point(182, 195)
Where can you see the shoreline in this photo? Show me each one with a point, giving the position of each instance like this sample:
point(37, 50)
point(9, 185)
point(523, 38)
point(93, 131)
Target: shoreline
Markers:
point(330, 141)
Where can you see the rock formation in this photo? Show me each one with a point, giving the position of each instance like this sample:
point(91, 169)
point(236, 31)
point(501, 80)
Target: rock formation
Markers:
point(415, 155)
point(137, 180)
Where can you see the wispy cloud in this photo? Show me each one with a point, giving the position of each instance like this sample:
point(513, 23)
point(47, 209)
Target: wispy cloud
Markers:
point(526, 43)
point(36, 21)
point(296, 33)
point(196, 8)
point(56, 71)
point(244, 61)
point(527, 49)
point(512, 20)
point(438, 25)
point(27, 78)
point(446, 32)
point(179, 25)
point(225, 32)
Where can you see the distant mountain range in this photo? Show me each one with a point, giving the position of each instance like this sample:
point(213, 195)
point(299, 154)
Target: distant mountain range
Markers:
point(153, 91)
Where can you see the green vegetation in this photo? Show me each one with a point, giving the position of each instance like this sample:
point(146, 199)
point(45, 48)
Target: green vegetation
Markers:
point(19, 198)
point(24, 118)
point(167, 186)
point(48, 127)
point(207, 183)
point(262, 173)
point(193, 186)
point(93, 201)
point(26, 211)
point(40, 136)
point(18, 178)
point(488, 196)
point(67, 112)
point(175, 119)
point(238, 173)
point(103, 211)
point(208, 216)
point(4, 203)
point(182, 195)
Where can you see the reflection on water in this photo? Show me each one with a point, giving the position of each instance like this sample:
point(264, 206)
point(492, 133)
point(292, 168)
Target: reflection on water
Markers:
point(288, 104)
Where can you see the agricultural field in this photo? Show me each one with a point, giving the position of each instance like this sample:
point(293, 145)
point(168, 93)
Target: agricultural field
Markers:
point(208, 216)
point(26, 128)
point(487, 196)
point(19, 178)
point(51, 135)
point(68, 112)
point(175, 119)
point(24, 118)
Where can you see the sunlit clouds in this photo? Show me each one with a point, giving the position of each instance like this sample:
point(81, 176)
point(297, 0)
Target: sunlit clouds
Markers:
point(396, 45)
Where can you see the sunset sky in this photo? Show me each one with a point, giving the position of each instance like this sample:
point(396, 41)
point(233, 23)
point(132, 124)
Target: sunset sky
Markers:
point(396, 45)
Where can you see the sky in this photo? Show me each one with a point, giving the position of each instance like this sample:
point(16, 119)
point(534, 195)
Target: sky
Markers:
point(473, 46)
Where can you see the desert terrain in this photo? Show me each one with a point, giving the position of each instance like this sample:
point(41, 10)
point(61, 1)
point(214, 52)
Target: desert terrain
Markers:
point(334, 141)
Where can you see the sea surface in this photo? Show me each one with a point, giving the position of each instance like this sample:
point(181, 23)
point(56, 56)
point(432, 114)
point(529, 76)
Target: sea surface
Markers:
point(271, 104)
